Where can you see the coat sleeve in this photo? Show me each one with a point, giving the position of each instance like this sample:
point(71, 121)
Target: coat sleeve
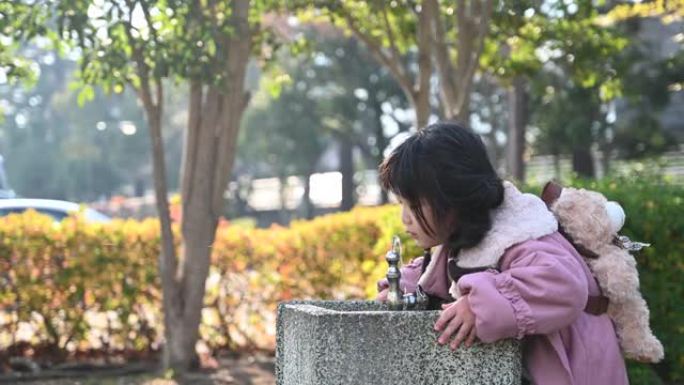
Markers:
point(544, 289)
point(410, 274)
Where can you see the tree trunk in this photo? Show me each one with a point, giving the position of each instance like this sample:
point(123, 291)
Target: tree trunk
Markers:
point(381, 141)
point(347, 170)
point(198, 226)
point(493, 149)
point(282, 195)
point(583, 162)
point(605, 160)
point(463, 114)
point(306, 199)
point(421, 103)
point(421, 90)
point(556, 164)
point(606, 149)
point(517, 103)
point(167, 258)
point(198, 236)
point(214, 118)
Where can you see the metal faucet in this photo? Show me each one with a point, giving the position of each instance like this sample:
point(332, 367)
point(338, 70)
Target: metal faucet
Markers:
point(393, 257)
point(396, 300)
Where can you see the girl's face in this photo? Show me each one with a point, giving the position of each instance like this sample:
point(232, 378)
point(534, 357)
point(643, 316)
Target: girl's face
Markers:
point(412, 225)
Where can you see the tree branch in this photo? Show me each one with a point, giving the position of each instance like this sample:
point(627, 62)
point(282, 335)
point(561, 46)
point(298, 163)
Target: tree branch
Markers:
point(446, 71)
point(159, 85)
point(157, 46)
point(144, 91)
point(441, 47)
point(390, 32)
point(474, 58)
point(464, 36)
point(392, 63)
point(422, 86)
point(148, 20)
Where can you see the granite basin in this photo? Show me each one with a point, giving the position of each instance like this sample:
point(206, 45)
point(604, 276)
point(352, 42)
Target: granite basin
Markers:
point(362, 342)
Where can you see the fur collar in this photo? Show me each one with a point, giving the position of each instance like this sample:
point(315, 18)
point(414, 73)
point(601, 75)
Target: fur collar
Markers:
point(520, 217)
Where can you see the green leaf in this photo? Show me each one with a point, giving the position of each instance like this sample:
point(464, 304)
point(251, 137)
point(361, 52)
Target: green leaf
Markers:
point(86, 94)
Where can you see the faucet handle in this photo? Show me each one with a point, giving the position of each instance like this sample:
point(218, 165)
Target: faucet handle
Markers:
point(393, 257)
point(396, 248)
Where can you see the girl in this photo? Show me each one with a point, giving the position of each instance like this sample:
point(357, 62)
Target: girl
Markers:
point(499, 267)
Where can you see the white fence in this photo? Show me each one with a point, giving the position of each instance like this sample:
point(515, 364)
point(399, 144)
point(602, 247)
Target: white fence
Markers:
point(326, 188)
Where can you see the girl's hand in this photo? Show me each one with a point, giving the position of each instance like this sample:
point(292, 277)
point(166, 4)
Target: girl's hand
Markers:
point(382, 296)
point(457, 316)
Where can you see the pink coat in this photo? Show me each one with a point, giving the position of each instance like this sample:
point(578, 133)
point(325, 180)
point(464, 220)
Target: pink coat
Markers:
point(539, 296)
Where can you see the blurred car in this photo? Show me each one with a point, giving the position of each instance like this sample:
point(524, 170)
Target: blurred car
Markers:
point(54, 208)
point(5, 190)
point(5, 194)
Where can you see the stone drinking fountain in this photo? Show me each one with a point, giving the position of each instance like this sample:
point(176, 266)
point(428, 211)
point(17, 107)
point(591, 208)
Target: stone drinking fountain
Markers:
point(372, 343)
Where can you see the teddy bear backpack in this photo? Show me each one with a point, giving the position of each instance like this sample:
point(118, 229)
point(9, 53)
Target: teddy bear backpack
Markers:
point(591, 223)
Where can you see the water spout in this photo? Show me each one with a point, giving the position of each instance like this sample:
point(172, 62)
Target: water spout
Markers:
point(396, 300)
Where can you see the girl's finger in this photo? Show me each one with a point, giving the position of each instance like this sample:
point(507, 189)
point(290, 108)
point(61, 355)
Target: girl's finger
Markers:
point(471, 337)
point(451, 328)
point(382, 296)
point(463, 332)
point(445, 318)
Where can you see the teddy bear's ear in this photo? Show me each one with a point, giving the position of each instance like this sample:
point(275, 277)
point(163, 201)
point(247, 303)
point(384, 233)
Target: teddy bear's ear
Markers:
point(551, 193)
point(616, 215)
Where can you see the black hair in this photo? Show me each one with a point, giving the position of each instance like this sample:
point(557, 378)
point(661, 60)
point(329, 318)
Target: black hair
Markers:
point(446, 166)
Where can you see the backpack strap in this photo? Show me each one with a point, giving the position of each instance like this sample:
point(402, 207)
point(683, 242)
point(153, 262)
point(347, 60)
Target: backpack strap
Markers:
point(434, 302)
point(596, 304)
point(427, 257)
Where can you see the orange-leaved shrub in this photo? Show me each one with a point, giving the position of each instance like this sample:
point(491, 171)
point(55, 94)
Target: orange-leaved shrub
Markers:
point(80, 286)
point(74, 285)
